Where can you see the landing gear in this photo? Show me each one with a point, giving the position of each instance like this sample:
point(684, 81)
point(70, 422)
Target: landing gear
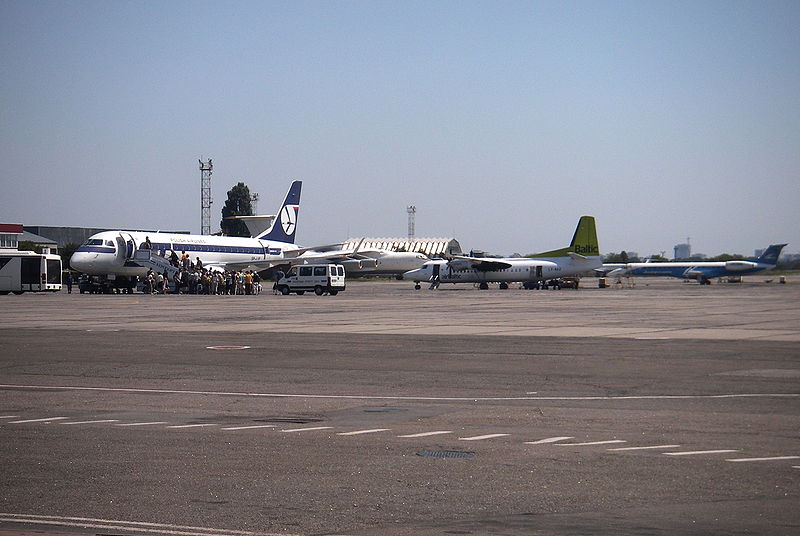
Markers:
point(484, 286)
point(417, 286)
point(503, 286)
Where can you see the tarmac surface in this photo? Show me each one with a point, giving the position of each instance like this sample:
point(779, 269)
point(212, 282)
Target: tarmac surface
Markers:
point(668, 408)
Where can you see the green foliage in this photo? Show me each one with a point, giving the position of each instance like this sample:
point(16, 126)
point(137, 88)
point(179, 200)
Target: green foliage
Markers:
point(67, 251)
point(726, 257)
point(617, 258)
point(237, 204)
point(27, 245)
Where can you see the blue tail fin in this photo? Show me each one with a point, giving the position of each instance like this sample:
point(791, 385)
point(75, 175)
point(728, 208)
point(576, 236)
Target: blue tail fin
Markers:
point(770, 255)
point(285, 224)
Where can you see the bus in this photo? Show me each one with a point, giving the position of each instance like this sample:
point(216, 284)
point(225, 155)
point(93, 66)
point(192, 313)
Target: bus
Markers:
point(26, 271)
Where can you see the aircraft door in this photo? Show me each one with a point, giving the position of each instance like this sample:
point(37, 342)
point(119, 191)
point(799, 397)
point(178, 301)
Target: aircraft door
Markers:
point(128, 245)
point(435, 277)
point(539, 273)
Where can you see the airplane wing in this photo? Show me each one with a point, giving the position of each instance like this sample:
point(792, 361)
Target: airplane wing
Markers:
point(318, 249)
point(484, 264)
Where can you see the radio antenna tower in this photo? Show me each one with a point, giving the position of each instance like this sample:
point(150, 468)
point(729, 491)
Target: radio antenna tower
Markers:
point(412, 212)
point(205, 196)
point(254, 203)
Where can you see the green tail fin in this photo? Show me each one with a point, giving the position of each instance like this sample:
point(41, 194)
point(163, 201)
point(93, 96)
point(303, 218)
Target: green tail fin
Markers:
point(584, 241)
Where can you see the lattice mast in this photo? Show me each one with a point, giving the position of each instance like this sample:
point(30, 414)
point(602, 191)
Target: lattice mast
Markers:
point(412, 213)
point(205, 196)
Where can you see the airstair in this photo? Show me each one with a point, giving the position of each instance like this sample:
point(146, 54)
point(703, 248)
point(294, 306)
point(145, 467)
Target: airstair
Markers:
point(148, 258)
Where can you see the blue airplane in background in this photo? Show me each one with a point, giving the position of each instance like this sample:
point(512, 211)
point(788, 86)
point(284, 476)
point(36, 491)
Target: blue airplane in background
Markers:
point(703, 272)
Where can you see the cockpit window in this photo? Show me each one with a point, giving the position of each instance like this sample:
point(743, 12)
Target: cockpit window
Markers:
point(94, 242)
point(109, 243)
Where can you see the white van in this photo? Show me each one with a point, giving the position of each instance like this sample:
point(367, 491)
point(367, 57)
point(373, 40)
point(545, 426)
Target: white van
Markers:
point(321, 278)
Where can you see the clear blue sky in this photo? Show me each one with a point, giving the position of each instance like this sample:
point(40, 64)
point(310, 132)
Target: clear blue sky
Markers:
point(502, 121)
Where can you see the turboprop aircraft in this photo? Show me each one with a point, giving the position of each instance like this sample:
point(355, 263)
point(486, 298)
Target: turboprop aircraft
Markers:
point(582, 255)
point(120, 258)
point(703, 272)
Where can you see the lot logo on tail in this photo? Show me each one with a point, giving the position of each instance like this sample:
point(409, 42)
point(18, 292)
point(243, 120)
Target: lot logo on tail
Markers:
point(289, 219)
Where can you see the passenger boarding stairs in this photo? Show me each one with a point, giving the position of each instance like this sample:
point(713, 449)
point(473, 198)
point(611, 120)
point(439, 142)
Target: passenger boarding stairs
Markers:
point(148, 258)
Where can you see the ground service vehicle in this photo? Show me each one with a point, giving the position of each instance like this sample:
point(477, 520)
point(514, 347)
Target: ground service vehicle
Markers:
point(321, 278)
point(26, 271)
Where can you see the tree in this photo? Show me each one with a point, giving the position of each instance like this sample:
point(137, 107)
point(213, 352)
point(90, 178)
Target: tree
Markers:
point(67, 251)
point(238, 204)
point(27, 245)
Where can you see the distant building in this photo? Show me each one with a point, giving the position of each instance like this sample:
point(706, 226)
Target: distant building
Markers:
point(432, 247)
point(682, 251)
point(77, 235)
point(9, 235)
point(39, 241)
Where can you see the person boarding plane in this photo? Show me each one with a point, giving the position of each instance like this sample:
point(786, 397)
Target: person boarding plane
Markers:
point(118, 255)
point(582, 255)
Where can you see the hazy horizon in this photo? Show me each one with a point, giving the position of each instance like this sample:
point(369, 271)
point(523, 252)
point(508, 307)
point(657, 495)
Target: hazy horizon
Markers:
point(502, 122)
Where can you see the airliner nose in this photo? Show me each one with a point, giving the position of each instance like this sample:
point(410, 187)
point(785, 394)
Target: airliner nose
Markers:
point(80, 262)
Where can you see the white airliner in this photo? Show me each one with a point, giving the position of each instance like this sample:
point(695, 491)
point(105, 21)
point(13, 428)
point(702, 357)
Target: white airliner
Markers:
point(117, 254)
point(582, 255)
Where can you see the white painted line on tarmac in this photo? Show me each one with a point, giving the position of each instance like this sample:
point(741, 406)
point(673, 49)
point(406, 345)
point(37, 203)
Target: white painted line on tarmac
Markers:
point(91, 422)
point(142, 423)
point(9, 416)
point(763, 459)
point(591, 443)
point(359, 432)
point(253, 427)
point(371, 397)
point(307, 429)
point(137, 526)
point(548, 440)
point(693, 452)
point(191, 425)
point(48, 419)
point(482, 437)
point(651, 447)
point(426, 434)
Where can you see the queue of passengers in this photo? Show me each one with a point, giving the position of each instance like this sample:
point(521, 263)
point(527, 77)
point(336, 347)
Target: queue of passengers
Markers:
point(194, 281)
point(193, 278)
